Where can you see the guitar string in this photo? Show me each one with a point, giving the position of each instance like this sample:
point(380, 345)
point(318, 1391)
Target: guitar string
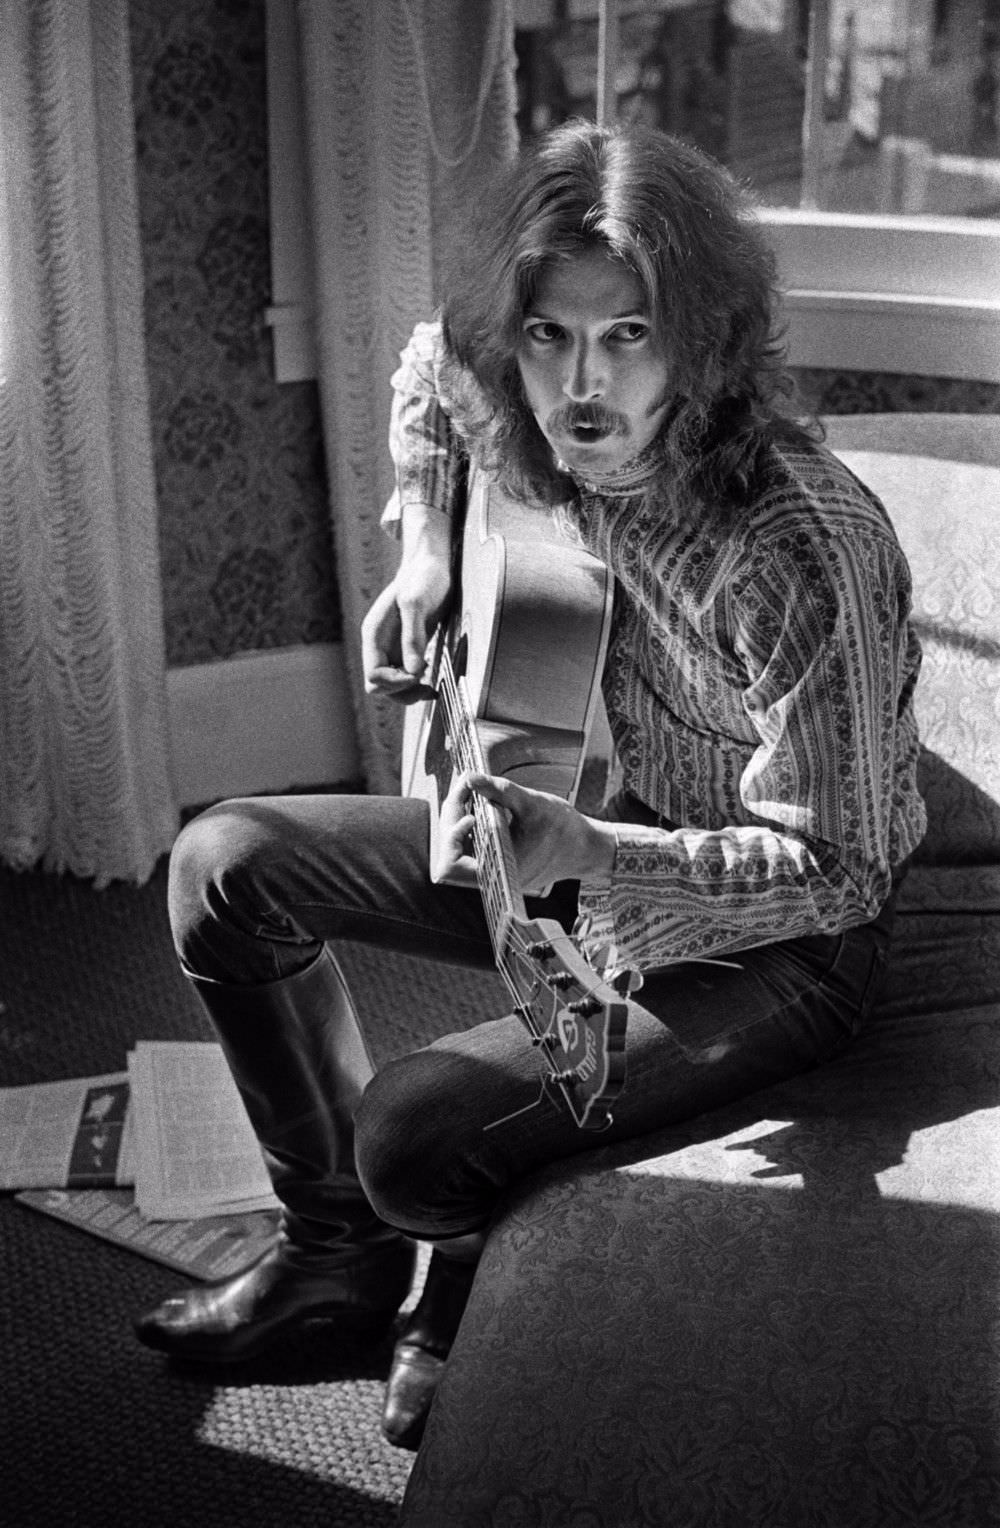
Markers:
point(470, 758)
point(498, 867)
point(586, 1112)
point(527, 1108)
point(461, 730)
point(493, 863)
point(483, 811)
point(567, 940)
point(485, 818)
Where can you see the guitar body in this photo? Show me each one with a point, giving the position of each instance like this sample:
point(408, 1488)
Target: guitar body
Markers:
point(528, 634)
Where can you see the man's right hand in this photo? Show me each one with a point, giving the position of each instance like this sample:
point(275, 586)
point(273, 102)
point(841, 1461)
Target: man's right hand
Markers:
point(400, 623)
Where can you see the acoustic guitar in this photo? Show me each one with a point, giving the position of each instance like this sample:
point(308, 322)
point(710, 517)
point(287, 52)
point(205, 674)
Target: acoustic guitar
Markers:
point(516, 673)
point(528, 632)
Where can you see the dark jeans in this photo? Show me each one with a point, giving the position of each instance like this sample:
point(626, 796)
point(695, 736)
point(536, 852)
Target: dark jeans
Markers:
point(258, 885)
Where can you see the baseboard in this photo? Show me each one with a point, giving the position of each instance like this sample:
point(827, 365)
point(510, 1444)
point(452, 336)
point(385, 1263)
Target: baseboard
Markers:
point(262, 721)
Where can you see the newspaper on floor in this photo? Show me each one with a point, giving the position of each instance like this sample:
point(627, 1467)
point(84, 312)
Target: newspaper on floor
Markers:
point(195, 1151)
point(72, 1134)
point(213, 1248)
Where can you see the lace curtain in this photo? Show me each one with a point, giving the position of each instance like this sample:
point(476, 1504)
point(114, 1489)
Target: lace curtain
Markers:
point(408, 107)
point(83, 753)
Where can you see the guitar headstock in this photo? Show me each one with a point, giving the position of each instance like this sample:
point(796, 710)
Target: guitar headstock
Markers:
point(576, 1020)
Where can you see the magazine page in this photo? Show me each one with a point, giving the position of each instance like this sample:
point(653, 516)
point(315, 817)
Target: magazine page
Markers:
point(65, 1134)
point(195, 1150)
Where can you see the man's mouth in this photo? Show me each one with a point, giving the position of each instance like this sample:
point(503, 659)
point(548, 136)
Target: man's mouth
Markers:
point(587, 426)
point(586, 434)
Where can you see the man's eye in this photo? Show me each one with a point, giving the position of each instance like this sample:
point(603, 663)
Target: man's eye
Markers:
point(543, 333)
point(631, 333)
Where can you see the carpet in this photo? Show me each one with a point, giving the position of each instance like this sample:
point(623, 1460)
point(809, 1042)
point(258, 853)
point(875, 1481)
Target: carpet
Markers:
point(96, 1429)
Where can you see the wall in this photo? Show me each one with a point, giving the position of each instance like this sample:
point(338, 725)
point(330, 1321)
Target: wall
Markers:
point(246, 544)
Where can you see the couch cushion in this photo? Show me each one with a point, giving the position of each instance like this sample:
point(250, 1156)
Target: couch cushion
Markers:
point(785, 1313)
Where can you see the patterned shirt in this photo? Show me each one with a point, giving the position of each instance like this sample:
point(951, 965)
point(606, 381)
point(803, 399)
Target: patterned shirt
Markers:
point(759, 691)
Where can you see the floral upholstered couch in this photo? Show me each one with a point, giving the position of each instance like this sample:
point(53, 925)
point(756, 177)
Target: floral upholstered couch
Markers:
point(786, 1313)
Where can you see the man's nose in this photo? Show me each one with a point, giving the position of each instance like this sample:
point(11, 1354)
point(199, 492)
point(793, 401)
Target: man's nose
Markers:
point(585, 379)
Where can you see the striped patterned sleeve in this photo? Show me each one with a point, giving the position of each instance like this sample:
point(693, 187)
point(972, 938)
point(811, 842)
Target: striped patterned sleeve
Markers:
point(422, 441)
point(828, 794)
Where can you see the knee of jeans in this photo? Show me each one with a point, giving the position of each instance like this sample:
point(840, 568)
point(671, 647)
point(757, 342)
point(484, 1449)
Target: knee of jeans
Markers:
point(414, 1148)
point(213, 866)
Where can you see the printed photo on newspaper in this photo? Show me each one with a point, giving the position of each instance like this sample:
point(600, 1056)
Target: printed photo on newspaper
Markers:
point(73, 1134)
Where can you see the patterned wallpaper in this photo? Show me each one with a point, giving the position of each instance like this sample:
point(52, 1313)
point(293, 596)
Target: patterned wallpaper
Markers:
point(244, 521)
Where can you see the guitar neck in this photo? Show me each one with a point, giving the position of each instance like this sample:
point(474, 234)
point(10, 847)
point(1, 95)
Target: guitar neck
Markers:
point(576, 1020)
point(495, 860)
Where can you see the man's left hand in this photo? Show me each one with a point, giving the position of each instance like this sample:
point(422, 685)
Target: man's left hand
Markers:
point(551, 840)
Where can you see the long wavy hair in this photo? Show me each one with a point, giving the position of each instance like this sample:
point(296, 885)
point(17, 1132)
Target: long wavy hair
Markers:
point(682, 225)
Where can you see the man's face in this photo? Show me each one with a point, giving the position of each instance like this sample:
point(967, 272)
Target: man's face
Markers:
point(595, 378)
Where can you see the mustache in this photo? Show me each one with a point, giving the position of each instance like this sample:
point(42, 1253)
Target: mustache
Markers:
point(593, 416)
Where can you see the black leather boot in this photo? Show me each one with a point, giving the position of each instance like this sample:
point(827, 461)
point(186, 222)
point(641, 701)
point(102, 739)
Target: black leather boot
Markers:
point(422, 1349)
point(299, 1059)
point(243, 1317)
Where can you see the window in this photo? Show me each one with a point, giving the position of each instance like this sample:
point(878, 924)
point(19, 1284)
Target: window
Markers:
point(886, 106)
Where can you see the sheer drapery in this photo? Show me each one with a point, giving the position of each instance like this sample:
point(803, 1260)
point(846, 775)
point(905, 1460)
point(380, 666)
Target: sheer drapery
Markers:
point(408, 106)
point(84, 782)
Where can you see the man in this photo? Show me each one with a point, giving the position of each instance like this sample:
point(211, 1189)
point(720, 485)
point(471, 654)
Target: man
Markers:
point(610, 355)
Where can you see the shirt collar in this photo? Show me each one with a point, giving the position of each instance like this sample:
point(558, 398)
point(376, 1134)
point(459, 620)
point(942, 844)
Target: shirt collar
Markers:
point(629, 479)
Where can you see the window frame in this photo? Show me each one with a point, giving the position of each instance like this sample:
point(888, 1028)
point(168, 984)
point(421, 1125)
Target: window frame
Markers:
point(914, 294)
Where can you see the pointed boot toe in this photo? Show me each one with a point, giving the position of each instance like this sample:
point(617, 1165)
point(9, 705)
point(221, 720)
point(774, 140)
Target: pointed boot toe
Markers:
point(409, 1394)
